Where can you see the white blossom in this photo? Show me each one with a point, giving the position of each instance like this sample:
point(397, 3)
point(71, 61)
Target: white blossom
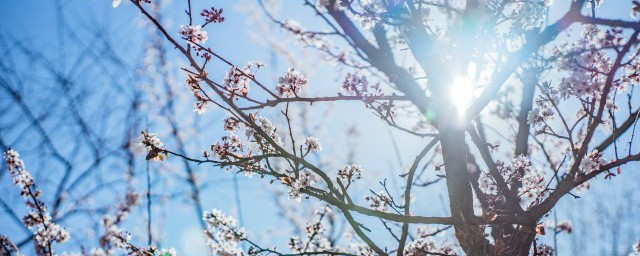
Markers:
point(228, 147)
point(425, 246)
point(150, 141)
point(592, 162)
point(222, 234)
point(312, 144)
point(168, 252)
point(193, 34)
point(305, 180)
point(48, 232)
point(379, 202)
point(290, 83)
point(350, 173)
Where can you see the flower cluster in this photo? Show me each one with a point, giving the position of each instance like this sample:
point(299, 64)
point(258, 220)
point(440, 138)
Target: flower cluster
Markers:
point(543, 250)
point(379, 201)
point(154, 146)
point(270, 129)
point(290, 84)
point(19, 174)
point(229, 146)
point(533, 185)
point(487, 184)
point(530, 14)
point(115, 237)
point(312, 144)
point(350, 173)
point(543, 112)
point(193, 83)
point(586, 65)
point(518, 170)
point(304, 180)
point(304, 37)
point(7, 247)
point(46, 231)
point(315, 240)
point(223, 235)
point(592, 162)
point(237, 80)
point(231, 124)
point(193, 34)
point(635, 9)
point(212, 16)
point(425, 246)
point(150, 141)
point(369, 15)
point(354, 84)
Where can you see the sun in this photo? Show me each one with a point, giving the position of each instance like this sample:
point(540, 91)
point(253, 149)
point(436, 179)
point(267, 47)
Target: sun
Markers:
point(461, 94)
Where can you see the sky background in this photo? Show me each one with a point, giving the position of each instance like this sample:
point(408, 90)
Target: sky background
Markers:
point(36, 25)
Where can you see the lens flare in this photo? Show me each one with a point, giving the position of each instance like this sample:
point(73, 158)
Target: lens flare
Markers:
point(462, 93)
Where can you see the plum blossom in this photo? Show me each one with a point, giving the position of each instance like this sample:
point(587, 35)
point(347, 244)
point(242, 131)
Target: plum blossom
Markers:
point(305, 180)
point(544, 110)
point(154, 146)
point(290, 83)
point(368, 16)
point(312, 144)
point(487, 184)
point(592, 162)
point(46, 231)
point(635, 9)
point(229, 146)
point(212, 16)
point(315, 239)
point(115, 237)
point(269, 128)
point(193, 34)
point(519, 169)
point(529, 14)
point(350, 173)
point(231, 124)
point(425, 246)
point(222, 234)
point(20, 176)
point(544, 250)
point(193, 84)
point(116, 3)
point(7, 247)
point(379, 202)
point(237, 80)
point(150, 141)
point(354, 84)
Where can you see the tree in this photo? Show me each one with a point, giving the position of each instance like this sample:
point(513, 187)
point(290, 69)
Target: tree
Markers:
point(565, 100)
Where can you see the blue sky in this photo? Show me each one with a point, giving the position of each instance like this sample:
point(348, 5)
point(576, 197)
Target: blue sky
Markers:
point(34, 23)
